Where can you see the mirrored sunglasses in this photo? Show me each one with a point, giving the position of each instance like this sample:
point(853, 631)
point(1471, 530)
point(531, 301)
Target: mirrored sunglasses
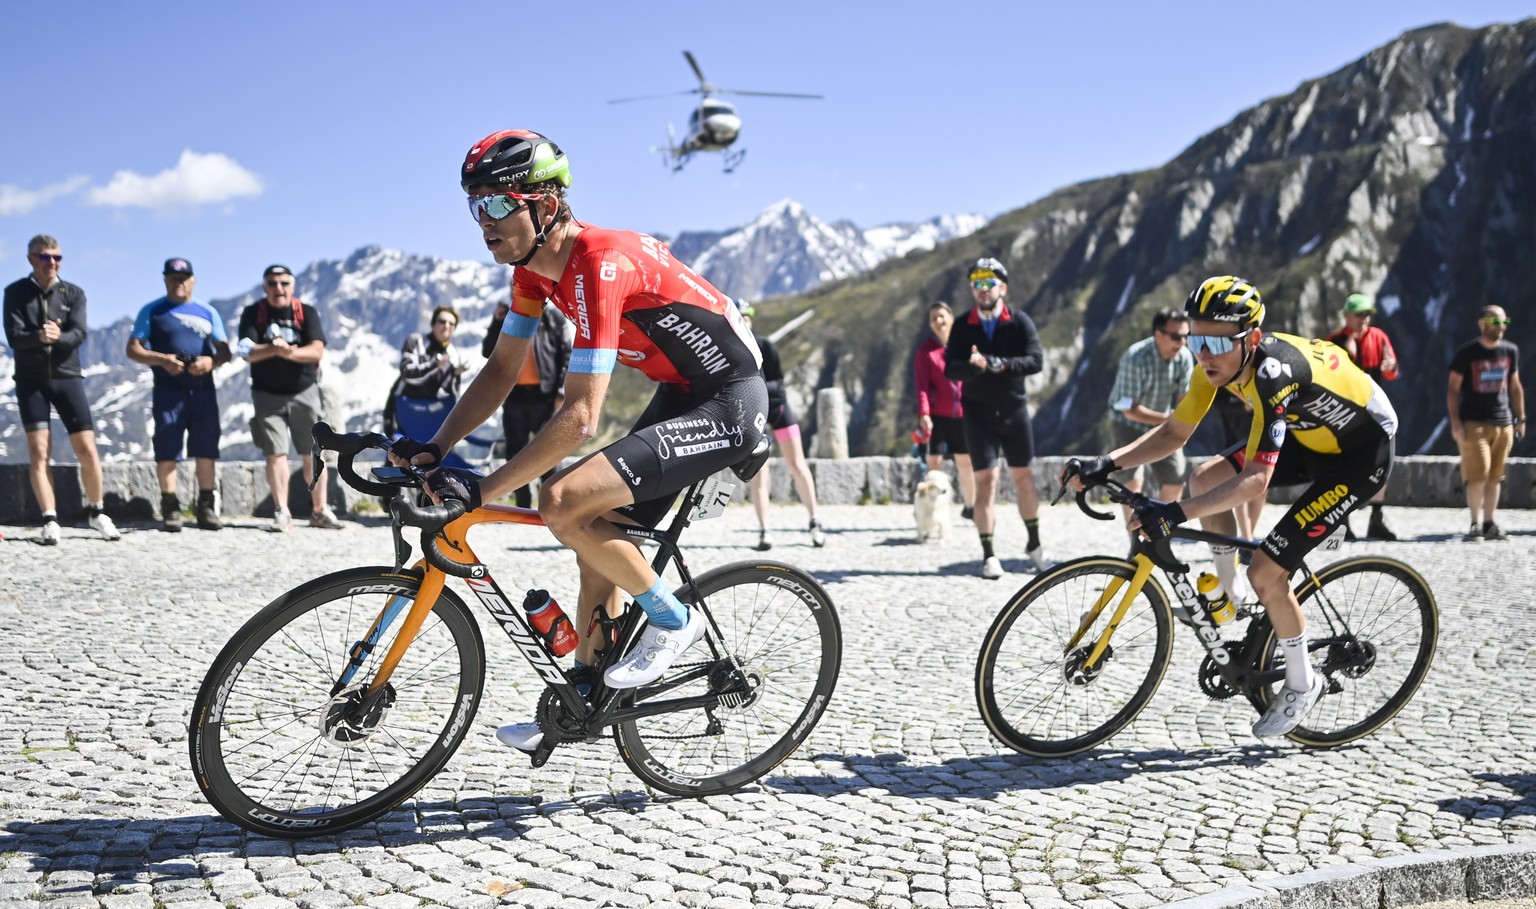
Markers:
point(498, 205)
point(1216, 345)
point(1492, 321)
point(985, 283)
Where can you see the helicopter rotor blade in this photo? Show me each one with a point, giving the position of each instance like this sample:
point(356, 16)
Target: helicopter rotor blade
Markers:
point(703, 82)
point(732, 91)
point(691, 91)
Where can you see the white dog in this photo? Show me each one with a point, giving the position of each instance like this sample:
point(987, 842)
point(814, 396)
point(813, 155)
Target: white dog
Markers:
point(930, 506)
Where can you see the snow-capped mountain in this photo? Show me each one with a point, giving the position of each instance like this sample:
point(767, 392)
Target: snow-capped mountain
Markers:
point(370, 301)
point(788, 250)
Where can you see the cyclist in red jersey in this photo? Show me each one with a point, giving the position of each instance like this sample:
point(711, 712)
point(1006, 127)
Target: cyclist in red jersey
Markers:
point(632, 303)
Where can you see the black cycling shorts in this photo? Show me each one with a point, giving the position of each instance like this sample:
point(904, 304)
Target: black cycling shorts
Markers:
point(948, 436)
point(35, 397)
point(1008, 432)
point(781, 415)
point(1340, 484)
point(683, 437)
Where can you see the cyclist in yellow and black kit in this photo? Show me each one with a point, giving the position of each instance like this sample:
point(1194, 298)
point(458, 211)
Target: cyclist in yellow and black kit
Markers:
point(1317, 417)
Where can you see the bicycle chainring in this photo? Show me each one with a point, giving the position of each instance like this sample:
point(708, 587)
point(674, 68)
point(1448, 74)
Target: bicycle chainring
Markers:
point(1212, 683)
point(557, 724)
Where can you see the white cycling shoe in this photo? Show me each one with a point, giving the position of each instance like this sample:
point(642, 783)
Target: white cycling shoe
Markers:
point(654, 653)
point(1289, 708)
point(522, 736)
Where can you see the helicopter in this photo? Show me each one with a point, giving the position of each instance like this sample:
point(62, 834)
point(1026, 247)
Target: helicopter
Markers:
point(712, 127)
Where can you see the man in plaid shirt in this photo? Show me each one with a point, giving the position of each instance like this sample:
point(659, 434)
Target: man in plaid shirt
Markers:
point(1153, 375)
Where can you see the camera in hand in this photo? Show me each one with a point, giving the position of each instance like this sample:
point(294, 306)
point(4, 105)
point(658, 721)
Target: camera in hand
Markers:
point(186, 359)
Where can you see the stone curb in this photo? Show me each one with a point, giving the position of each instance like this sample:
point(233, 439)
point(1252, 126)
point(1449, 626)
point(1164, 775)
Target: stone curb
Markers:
point(1486, 873)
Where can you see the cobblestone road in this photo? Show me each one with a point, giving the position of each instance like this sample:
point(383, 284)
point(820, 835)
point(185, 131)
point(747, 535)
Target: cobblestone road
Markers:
point(899, 798)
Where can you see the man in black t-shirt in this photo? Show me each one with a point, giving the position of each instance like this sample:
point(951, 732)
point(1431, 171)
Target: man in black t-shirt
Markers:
point(284, 341)
point(1486, 403)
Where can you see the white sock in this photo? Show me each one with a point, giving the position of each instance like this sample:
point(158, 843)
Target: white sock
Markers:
point(1298, 669)
point(1225, 558)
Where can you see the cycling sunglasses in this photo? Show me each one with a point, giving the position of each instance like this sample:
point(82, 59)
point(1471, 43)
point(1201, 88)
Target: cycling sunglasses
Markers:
point(985, 283)
point(1216, 345)
point(498, 205)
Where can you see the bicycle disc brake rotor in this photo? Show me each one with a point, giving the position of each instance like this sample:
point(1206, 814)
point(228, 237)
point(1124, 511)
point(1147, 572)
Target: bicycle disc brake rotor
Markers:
point(737, 692)
point(1352, 658)
point(1073, 669)
point(351, 717)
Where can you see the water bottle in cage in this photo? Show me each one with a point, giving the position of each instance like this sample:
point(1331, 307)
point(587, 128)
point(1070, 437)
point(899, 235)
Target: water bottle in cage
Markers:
point(550, 622)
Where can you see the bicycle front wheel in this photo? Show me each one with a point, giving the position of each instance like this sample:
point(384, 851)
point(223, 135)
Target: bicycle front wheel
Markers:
point(1373, 628)
point(1035, 693)
point(285, 737)
point(781, 628)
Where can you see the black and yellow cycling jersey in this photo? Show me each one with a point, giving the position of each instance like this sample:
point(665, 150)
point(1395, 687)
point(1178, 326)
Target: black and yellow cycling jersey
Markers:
point(1307, 389)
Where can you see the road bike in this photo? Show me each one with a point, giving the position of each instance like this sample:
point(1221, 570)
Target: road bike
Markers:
point(1077, 652)
point(344, 696)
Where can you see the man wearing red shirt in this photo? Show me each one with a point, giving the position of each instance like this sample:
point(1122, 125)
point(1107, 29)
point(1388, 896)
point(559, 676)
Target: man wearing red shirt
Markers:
point(632, 304)
point(1371, 350)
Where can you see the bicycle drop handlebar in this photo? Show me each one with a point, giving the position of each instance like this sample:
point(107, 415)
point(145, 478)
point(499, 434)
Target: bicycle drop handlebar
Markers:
point(431, 519)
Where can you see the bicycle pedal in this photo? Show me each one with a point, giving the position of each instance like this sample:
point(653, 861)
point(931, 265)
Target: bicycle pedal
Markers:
point(540, 755)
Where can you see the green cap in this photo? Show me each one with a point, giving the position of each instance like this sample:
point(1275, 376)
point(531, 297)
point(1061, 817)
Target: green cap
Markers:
point(1359, 303)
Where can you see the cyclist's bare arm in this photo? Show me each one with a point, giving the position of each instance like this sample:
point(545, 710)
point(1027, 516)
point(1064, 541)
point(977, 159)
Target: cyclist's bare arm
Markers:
point(485, 394)
point(1248, 483)
point(573, 425)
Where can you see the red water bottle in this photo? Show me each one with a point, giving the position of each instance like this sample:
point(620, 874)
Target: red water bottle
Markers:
point(549, 620)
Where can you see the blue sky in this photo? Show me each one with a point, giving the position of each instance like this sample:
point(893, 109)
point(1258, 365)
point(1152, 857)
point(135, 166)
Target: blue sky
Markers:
point(237, 135)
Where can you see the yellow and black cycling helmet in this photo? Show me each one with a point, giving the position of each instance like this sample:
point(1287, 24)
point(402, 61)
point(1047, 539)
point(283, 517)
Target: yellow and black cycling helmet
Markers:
point(1226, 299)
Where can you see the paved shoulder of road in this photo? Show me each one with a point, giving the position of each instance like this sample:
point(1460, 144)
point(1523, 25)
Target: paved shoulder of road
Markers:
point(899, 798)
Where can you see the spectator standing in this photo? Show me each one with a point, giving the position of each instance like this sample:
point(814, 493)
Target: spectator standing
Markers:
point(284, 341)
point(939, 411)
point(1151, 380)
point(992, 349)
point(786, 430)
point(1487, 410)
point(430, 366)
point(45, 325)
point(540, 387)
point(182, 340)
point(1371, 350)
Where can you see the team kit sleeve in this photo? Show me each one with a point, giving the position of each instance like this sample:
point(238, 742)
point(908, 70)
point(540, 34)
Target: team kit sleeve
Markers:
point(1193, 408)
point(530, 295)
point(609, 278)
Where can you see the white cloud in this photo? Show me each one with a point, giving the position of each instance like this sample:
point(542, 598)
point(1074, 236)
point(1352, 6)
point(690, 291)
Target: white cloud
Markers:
point(197, 179)
point(17, 201)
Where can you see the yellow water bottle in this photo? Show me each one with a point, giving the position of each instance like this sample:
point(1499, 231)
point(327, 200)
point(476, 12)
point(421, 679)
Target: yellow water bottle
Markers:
point(1217, 604)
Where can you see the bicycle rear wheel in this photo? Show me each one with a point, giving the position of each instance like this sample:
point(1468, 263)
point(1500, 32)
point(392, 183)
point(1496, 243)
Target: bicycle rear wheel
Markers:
point(284, 743)
point(1374, 660)
point(1031, 687)
point(781, 627)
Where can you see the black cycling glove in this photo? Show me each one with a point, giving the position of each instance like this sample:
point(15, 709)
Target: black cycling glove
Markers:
point(1095, 471)
point(406, 448)
point(1158, 519)
point(457, 483)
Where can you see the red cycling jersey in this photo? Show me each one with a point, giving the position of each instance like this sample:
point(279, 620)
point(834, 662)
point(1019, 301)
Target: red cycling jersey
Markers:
point(632, 302)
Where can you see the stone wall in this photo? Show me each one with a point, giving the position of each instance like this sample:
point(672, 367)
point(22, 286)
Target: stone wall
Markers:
point(133, 493)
